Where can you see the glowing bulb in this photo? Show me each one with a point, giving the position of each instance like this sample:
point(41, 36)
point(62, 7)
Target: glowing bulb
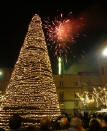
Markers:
point(1, 73)
point(82, 99)
point(105, 52)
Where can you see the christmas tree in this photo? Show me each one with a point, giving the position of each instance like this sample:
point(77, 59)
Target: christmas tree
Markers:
point(31, 91)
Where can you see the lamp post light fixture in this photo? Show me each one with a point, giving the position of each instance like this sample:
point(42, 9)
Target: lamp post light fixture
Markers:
point(104, 52)
point(1, 73)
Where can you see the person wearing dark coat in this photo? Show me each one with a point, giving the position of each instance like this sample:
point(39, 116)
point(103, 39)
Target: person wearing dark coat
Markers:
point(15, 123)
point(94, 125)
point(45, 124)
point(104, 123)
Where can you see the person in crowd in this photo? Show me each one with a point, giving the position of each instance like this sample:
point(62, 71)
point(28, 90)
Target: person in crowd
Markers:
point(64, 124)
point(94, 125)
point(1, 129)
point(85, 120)
point(75, 124)
point(56, 124)
point(104, 123)
point(15, 123)
point(45, 124)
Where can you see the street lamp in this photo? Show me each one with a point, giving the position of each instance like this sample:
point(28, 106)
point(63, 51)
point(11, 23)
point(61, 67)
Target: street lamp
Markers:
point(1, 73)
point(104, 52)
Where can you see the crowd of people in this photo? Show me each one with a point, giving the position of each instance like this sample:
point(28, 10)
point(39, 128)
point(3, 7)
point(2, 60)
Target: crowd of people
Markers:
point(65, 122)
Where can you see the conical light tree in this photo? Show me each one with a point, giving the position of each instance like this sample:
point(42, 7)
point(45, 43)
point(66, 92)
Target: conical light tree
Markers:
point(31, 91)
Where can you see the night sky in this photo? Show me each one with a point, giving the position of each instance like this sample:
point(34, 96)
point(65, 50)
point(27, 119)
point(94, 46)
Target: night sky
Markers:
point(15, 17)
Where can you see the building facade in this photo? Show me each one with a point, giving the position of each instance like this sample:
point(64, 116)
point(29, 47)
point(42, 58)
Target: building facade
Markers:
point(69, 85)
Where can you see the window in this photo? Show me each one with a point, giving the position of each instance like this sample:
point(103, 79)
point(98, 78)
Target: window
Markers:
point(102, 70)
point(61, 83)
point(76, 83)
point(61, 96)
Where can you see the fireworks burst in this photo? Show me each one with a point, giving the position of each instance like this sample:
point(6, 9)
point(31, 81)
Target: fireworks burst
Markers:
point(62, 32)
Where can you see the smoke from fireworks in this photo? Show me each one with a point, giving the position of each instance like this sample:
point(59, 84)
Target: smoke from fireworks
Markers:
point(63, 31)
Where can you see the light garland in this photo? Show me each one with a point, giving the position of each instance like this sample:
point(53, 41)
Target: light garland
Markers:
point(31, 91)
point(98, 97)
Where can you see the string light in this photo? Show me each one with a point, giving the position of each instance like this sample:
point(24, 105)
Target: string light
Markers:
point(98, 97)
point(31, 91)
